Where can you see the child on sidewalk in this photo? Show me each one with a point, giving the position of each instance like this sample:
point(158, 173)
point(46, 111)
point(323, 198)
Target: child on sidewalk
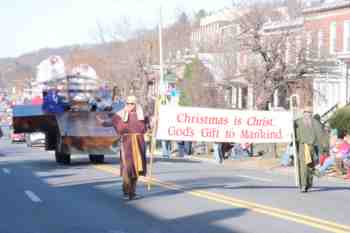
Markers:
point(346, 159)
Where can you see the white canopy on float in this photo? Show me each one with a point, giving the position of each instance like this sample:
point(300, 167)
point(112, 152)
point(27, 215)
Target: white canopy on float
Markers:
point(83, 83)
point(85, 70)
point(50, 69)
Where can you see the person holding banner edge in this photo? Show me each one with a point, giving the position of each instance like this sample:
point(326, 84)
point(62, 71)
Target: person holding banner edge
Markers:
point(308, 135)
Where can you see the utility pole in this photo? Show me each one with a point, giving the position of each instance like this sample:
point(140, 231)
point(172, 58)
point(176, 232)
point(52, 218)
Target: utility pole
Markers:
point(161, 71)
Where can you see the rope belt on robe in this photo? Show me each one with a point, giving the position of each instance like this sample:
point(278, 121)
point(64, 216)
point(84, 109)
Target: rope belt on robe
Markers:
point(136, 153)
point(307, 154)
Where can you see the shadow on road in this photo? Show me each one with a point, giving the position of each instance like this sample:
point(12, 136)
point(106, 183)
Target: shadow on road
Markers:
point(98, 203)
point(314, 189)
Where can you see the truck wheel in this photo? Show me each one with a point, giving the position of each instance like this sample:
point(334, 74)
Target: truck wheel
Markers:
point(58, 157)
point(66, 159)
point(97, 159)
point(62, 158)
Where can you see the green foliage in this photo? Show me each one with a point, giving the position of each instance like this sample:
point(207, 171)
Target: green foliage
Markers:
point(185, 89)
point(341, 119)
point(185, 100)
point(199, 15)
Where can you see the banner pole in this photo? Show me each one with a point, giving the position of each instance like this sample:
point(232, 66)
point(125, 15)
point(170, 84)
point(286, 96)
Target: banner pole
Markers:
point(151, 163)
point(153, 141)
point(295, 156)
point(156, 103)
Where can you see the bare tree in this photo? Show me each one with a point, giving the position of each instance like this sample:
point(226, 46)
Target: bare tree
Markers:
point(128, 60)
point(278, 52)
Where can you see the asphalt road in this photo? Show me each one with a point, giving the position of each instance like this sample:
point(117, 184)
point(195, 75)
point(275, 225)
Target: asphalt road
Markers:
point(39, 196)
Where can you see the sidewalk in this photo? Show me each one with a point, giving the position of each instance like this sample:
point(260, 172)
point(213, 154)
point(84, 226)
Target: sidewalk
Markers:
point(248, 163)
point(253, 163)
point(264, 164)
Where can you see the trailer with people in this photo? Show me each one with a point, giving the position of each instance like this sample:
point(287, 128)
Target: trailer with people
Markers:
point(67, 115)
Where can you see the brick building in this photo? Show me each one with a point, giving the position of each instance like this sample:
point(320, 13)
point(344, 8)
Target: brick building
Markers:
point(220, 50)
point(322, 32)
point(329, 26)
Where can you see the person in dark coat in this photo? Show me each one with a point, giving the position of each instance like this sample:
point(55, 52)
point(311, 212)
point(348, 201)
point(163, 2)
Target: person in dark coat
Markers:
point(309, 135)
point(130, 125)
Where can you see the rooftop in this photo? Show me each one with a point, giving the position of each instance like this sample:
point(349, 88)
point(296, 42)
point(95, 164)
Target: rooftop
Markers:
point(277, 25)
point(327, 5)
point(223, 15)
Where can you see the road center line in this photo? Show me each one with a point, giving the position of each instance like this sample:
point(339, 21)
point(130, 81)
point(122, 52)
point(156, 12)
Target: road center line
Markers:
point(254, 178)
point(263, 209)
point(6, 171)
point(32, 196)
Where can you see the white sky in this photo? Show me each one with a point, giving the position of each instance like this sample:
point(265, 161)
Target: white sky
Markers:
point(28, 25)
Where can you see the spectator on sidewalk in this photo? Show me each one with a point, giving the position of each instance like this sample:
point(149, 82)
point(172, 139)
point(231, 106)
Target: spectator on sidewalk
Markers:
point(218, 153)
point(188, 148)
point(226, 149)
point(338, 152)
point(166, 149)
point(240, 151)
point(347, 167)
point(287, 156)
point(180, 149)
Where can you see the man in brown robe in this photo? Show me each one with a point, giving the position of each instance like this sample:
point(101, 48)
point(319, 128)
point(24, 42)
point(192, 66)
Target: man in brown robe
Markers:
point(130, 124)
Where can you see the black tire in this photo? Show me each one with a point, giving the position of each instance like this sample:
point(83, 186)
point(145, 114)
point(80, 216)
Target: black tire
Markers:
point(58, 157)
point(66, 159)
point(62, 158)
point(97, 159)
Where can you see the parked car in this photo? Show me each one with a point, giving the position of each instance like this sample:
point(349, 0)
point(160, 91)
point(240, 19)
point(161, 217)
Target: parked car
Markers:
point(6, 131)
point(36, 138)
point(17, 137)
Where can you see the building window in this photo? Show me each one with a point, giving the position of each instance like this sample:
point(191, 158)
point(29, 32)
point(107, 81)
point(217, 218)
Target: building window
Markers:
point(320, 43)
point(228, 96)
point(244, 93)
point(347, 36)
point(287, 51)
point(238, 62)
point(308, 44)
point(234, 98)
point(298, 48)
point(333, 38)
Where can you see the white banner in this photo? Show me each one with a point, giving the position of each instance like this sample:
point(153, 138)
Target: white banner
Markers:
point(222, 125)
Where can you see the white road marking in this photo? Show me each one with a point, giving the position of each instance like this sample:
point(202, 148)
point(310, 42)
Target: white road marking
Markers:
point(116, 231)
point(254, 178)
point(6, 170)
point(32, 196)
